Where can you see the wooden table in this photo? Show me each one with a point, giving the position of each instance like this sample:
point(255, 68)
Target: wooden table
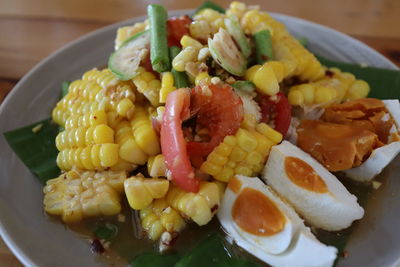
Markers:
point(31, 30)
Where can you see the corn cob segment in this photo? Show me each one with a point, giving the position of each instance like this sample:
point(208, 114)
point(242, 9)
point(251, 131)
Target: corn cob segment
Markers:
point(77, 195)
point(105, 78)
point(148, 84)
point(244, 153)
point(143, 132)
point(201, 206)
point(159, 217)
point(142, 191)
point(266, 77)
point(167, 86)
point(335, 87)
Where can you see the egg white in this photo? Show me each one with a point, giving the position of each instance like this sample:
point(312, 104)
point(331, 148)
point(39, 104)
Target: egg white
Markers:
point(334, 210)
point(295, 245)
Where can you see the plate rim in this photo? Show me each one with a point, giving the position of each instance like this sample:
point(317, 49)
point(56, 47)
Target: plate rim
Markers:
point(19, 253)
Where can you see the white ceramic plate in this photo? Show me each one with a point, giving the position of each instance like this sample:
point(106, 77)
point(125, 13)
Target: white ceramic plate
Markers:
point(37, 241)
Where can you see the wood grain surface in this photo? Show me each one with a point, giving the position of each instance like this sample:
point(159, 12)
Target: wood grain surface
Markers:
point(31, 30)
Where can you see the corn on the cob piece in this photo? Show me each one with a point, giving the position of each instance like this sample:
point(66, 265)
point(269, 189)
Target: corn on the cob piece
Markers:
point(142, 191)
point(201, 29)
point(129, 150)
point(143, 132)
point(94, 157)
point(88, 119)
point(212, 17)
point(167, 86)
point(266, 77)
point(105, 78)
point(333, 88)
point(237, 9)
point(159, 217)
point(156, 166)
point(148, 84)
point(201, 206)
point(298, 61)
point(77, 195)
point(124, 33)
point(188, 54)
point(244, 153)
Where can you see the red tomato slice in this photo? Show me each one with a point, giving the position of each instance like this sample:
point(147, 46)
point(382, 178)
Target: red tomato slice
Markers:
point(173, 143)
point(278, 110)
point(177, 27)
point(219, 110)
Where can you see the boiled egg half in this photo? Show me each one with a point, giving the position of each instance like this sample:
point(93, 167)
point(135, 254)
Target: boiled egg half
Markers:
point(261, 223)
point(314, 192)
point(382, 156)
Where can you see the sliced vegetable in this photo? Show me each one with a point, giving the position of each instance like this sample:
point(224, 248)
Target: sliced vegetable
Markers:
point(180, 78)
point(278, 109)
point(224, 51)
point(177, 27)
point(219, 110)
point(159, 53)
point(233, 26)
point(263, 42)
point(246, 86)
point(173, 143)
point(34, 144)
point(125, 61)
point(210, 5)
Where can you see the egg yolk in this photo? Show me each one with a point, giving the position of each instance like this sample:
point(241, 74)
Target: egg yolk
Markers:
point(256, 214)
point(304, 175)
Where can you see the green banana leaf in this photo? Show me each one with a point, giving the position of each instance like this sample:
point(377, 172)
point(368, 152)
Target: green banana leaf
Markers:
point(36, 148)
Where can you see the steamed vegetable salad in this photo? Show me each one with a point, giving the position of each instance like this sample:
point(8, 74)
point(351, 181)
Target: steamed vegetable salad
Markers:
point(204, 103)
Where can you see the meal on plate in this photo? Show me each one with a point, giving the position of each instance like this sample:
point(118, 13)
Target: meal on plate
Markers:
point(226, 115)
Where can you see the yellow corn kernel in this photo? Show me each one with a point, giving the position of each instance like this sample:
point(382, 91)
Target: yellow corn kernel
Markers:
point(124, 106)
point(217, 159)
point(188, 54)
point(243, 170)
point(202, 77)
point(237, 154)
point(200, 29)
point(358, 89)
point(278, 68)
point(131, 152)
point(249, 121)
point(245, 140)
point(237, 8)
point(189, 41)
point(308, 93)
point(264, 144)
point(265, 80)
point(223, 149)
point(296, 97)
point(224, 175)
point(140, 191)
point(210, 168)
point(270, 133)
point(230, 140)
point(108, 154)
point(156, 166)
point(172, 221)
point(103, 134)
point(253, 158)
point(324, 95)
point(251, 72)
point(167, 86)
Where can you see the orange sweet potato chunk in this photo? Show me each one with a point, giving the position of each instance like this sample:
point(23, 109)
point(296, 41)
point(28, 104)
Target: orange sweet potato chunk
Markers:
point(336, 146)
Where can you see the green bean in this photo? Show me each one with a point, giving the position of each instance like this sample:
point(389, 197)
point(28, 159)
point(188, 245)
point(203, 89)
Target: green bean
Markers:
point(180, 78)
point(210, 5)
point(159, 53)
point(263, 44)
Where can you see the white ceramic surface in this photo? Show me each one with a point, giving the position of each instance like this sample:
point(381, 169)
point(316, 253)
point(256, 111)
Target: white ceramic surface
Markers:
point(37, 241)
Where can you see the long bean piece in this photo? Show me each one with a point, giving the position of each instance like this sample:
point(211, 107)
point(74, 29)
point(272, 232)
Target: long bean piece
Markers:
point(180, 78)
point(263, 43)
point(159, 53)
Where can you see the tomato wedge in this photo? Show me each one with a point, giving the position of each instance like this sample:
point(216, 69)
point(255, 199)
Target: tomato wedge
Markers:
point(173, 143)
point(276, 109)
point(220, 111)
point(177, 27)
